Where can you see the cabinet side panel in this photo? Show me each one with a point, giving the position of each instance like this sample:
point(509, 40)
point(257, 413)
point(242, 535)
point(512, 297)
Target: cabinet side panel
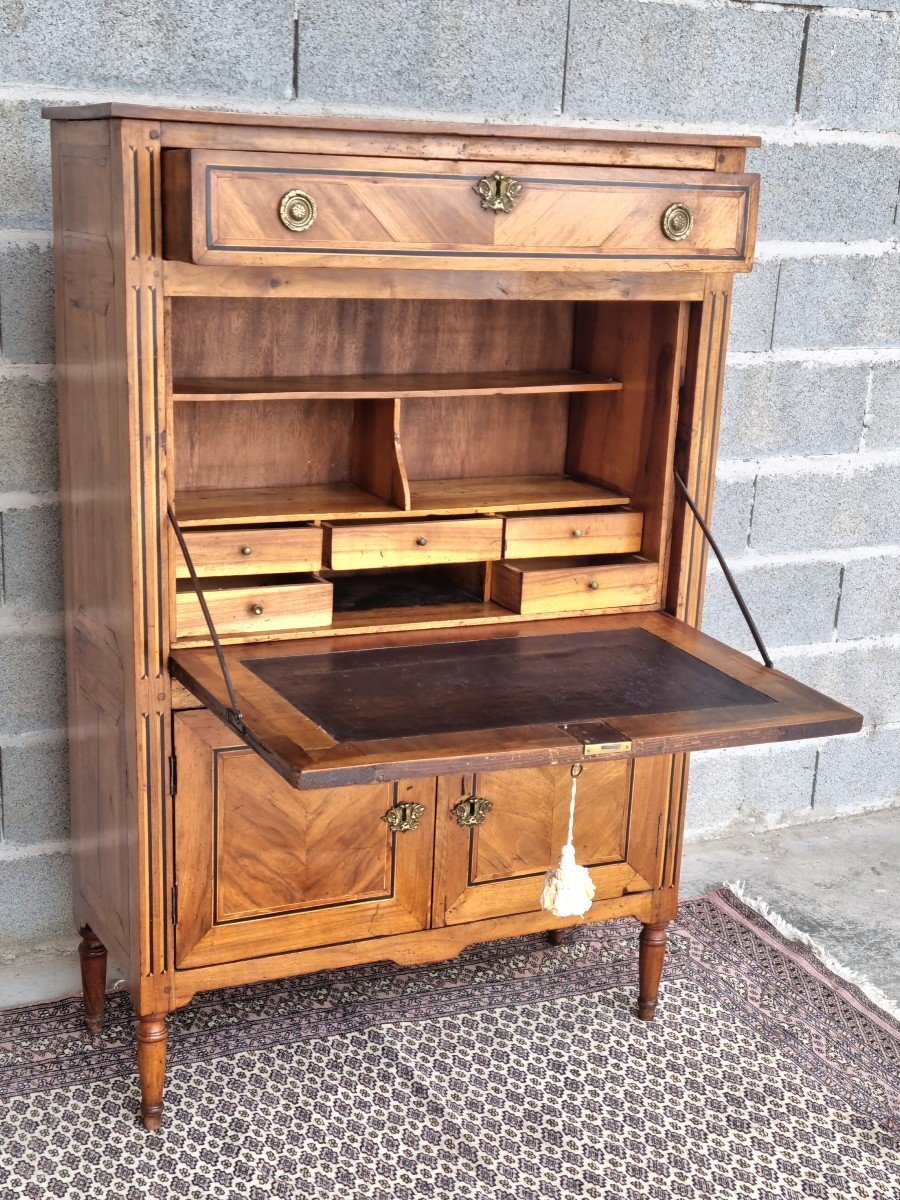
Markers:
point(96, 518)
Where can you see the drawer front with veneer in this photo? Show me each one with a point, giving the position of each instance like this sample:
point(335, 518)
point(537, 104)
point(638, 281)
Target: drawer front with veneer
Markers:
point(237, 207)
point(254, 551)
point(271, 605)
point(581, 585)
point(579, 532)
point(354, 547)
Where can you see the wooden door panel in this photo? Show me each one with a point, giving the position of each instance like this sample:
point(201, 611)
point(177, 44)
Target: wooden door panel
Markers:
point(497, 869)
point(276, 852)
point(262, 868)
point(528, 823)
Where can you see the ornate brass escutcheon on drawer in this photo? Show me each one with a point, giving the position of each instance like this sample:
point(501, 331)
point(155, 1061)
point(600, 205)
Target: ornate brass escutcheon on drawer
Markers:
point(405, 816)
point(472, 811)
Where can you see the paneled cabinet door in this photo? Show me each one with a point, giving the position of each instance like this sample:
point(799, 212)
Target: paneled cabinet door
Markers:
point(262, 868)
point(496, 866)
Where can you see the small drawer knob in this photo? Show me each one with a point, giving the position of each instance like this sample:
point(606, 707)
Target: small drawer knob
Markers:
point(256, 609)
point(593, 585)
point(297, 210)
point(246, 549)
point(421, 541)
point(577, 533)
point(677, 222)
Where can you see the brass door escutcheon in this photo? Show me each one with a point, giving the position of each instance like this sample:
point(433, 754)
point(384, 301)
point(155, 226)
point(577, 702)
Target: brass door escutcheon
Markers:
point(472, 811)
point(405, 816)
point(297, 210)
point(498, 192)
point(677, 222)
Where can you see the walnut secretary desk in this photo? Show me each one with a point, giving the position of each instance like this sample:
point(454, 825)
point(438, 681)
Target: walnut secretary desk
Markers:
point(372, 440)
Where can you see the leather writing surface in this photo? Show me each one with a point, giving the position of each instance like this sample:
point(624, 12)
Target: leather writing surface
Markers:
point(454, 687)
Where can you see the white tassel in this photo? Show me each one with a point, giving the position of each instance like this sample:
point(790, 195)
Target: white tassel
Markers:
point(568, 888)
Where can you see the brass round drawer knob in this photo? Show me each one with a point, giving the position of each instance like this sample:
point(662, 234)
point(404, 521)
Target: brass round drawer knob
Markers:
point(421, 541)
point(593, 585)
point(297, 210)
point(246, 549)
point(256, 609)
point(577, 533)
point(677, 222)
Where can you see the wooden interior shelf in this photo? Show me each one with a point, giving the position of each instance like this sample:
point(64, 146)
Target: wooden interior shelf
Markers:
point(386, 387)
point(252, 506)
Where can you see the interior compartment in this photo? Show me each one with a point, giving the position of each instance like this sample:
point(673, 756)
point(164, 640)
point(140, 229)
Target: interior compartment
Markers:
point(270, 425)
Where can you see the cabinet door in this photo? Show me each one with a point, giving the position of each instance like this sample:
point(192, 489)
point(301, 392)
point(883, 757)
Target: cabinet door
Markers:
point(262, 868)
point(497, 868)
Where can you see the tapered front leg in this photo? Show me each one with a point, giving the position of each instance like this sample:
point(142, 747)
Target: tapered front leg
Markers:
point(152, 1037)
point(652, 954)
point(92, 954)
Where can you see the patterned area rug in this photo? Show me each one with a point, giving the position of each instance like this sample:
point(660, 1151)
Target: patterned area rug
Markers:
point(515, 1072)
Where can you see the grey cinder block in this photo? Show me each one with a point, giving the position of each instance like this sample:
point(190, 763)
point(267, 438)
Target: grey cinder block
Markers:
point(792, 604)
point(758, 788)
point(775, 408)
point(827, 510)
point(848, 300)
point(188, 46)
point(29, 440)
point(883, 432)
point(25, 191)
point(732, 506)
point(682, 63)
point(870, 598)
point(473, 55)
point(753, 308)
point(861, 676)
point(26, 302)
point(32, 682)
point(860, 772)
point(822, 192)
point(35, 900)
point(850, 76)
point(34, 783)
point(32, 568)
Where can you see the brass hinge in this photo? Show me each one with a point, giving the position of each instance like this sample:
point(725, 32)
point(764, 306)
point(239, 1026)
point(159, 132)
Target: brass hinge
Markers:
point(174, 903)
point(599, 738)
point(173, 775)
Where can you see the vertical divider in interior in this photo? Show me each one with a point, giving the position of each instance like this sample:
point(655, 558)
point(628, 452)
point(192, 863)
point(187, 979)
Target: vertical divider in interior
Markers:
point(626, 440)
point(376, 458)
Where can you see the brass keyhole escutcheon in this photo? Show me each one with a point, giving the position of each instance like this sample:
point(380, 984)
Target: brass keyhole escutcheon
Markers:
point(472, 811)
point(498, 192)
point(405, 816)
point(297, 210)
point(677, 222)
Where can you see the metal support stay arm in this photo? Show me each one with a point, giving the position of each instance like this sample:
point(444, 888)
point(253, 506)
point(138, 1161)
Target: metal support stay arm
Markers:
point(726, 571)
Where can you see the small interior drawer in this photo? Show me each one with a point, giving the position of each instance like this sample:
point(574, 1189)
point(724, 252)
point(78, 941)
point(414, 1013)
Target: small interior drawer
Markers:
point(582, 531)
point(353, 546)
point(550, 585)
point(254, 605)
point(254, 551)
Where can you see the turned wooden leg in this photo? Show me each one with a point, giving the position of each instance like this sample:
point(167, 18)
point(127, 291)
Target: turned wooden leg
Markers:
point(653, 951)
point(556, 937)
point(92, 953)
point(152, 1035)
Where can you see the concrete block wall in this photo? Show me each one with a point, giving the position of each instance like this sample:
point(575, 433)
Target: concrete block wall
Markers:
point(809, 487)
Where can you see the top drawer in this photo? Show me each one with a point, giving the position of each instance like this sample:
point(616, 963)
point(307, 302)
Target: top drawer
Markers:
point(234, 207)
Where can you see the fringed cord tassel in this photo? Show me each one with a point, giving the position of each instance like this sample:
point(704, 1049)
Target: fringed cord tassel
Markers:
point(568, 888)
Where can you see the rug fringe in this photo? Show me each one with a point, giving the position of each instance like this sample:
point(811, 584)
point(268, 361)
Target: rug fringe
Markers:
point(739, 888)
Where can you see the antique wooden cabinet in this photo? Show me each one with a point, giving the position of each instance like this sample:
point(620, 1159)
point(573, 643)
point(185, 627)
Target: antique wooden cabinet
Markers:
point(413, 398)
